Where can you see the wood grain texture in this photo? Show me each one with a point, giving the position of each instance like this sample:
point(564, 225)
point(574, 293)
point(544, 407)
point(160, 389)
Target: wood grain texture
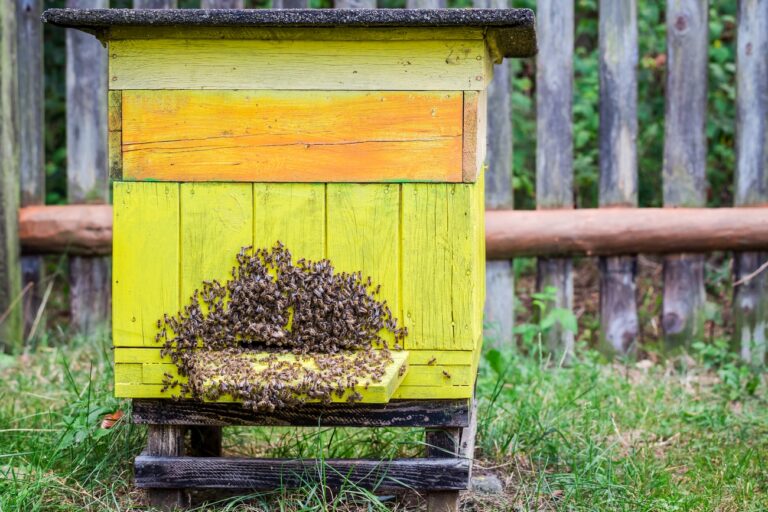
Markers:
point(618, 303)
point(443, 444)
point(276, 208)
point(146, 260)
point(751, 181)
point(475, 135)
point(66, 229)
point(269, 474)
point(615, 231)
point(32, 143)
point(292, 136)
point(440, 224)
point(299, 64)
point(397, 413)
point(363, 223)
point(685, 162)
point(554, 151)
point(87, 179)
point(166, 440)
point(115, 134)
point(683, 313)
point(618, 161)
point(216, 223)
point(11, 328)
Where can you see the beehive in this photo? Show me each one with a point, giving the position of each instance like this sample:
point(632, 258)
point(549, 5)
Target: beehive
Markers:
point(356, 136)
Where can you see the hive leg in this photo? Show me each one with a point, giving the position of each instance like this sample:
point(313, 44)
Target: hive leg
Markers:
point(442, 443)
point(166, 440)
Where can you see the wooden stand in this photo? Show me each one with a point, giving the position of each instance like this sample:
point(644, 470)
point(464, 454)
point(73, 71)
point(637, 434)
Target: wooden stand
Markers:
point(168, 472)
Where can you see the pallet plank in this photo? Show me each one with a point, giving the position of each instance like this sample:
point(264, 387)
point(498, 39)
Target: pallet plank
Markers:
point(157, 472)
point(397, 413)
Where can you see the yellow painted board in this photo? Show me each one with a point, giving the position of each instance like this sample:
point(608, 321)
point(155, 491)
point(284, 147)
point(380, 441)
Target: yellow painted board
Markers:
point(216, 223)
point(415, 357)
point(465, 223)
point(296, 33)
point(129, 373)
point(296, 64)
point(145, 260)
point(440, 273)
point(416, 375)
point(433, 392)
point(363, 223)
point(294, 214)
point(439, 376)
point(292, 136)
point(401, 393)
point(377, 392)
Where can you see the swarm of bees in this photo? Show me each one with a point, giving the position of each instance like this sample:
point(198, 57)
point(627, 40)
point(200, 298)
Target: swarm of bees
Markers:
point(330, 322)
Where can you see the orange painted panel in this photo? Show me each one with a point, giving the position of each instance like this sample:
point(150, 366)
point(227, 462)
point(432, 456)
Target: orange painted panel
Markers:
point(292, 136)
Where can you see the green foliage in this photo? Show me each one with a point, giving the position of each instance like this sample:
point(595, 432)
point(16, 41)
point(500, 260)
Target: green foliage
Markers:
point(650, 108)
point(545, 318)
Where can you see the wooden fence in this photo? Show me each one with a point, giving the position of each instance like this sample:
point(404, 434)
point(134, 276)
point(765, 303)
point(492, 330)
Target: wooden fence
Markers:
point(616, 232)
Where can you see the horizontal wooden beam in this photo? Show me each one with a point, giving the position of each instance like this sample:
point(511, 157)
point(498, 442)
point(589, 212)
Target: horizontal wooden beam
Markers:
point(74, 229)
point(266, 474)
point(397, 413)
point(615, 231)
point(87, 230)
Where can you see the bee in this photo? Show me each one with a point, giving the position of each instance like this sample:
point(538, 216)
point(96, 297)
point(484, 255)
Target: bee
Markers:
point(432, 361)
point(446, 374)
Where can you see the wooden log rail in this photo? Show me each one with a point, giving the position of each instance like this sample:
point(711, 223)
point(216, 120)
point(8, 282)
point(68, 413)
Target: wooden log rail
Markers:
point(87, 230)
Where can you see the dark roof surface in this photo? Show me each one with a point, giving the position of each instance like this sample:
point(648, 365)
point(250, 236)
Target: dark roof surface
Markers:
point(511, 31)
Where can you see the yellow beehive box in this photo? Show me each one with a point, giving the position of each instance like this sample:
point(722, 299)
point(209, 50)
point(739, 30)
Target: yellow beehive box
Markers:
point(356, 136)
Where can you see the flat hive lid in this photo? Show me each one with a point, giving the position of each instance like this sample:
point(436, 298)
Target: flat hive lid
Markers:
point(511, 32)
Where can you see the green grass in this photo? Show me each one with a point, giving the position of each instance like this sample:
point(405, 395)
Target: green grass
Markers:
point(685, 434)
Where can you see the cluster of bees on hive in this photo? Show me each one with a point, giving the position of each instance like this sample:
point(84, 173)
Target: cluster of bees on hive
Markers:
point(320, 329)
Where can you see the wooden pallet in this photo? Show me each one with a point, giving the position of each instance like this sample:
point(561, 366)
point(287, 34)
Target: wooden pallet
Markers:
point(169, 474)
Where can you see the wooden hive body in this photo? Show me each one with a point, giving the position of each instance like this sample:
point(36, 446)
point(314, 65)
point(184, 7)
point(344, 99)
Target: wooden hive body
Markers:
point(361, 145)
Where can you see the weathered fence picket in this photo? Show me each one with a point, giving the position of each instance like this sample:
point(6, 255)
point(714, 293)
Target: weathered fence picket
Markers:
point(751, 188)
point(31, 79)
point(685, 163)
point(10, 269)
point(554, 149)
point(87, 182)
point(499, 275)
point(618, 165)
point(232, 4)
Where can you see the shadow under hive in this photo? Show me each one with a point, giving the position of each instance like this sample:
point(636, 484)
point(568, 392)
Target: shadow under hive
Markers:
point(355, 137)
